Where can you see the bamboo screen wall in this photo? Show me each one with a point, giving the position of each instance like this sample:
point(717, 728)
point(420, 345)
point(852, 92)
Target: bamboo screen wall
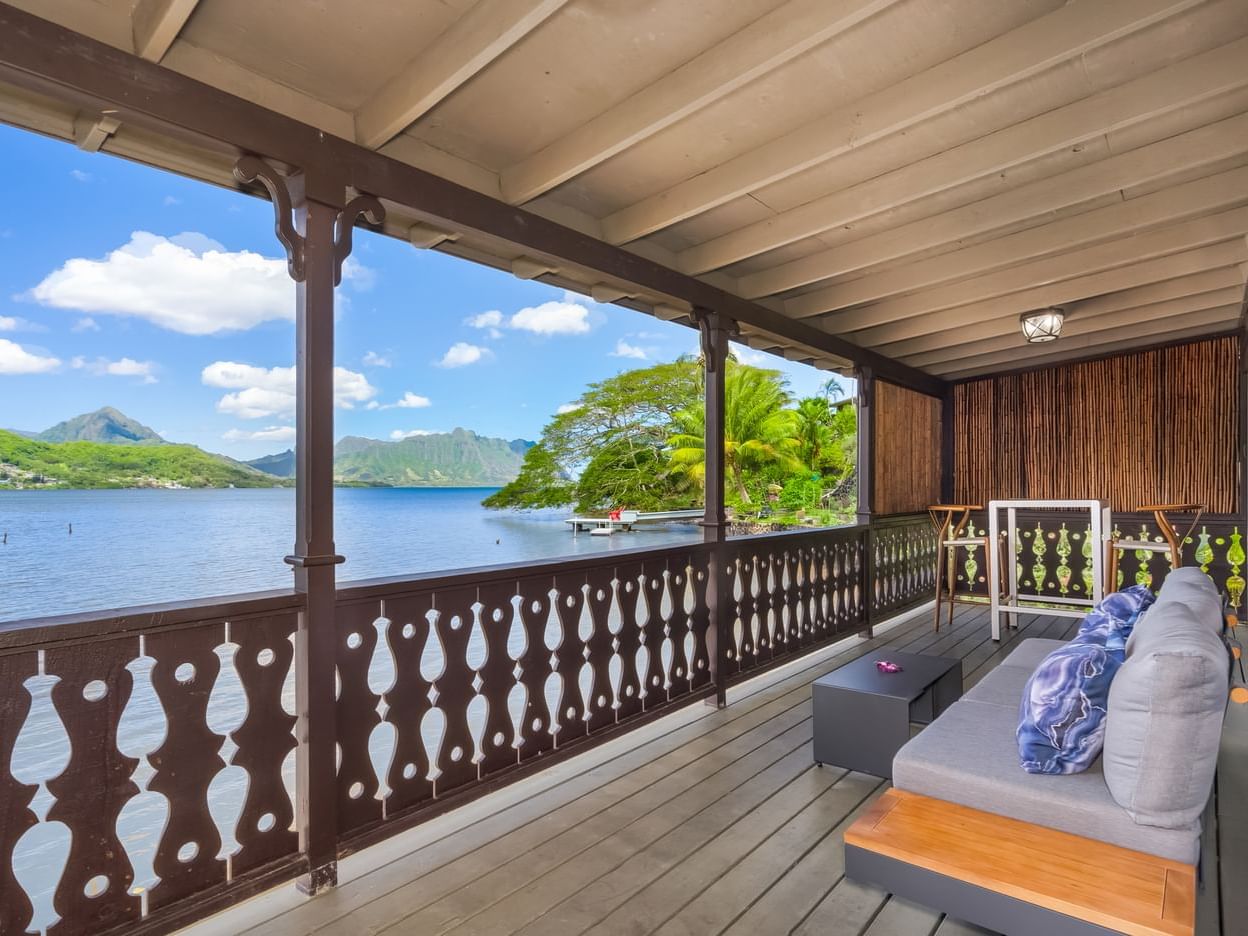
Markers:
point(1156, 426)
point(906, 450)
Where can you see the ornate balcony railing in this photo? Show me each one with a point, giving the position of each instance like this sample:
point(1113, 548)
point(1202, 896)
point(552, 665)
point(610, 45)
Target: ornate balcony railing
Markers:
point(149, 756)
point(1054, 549)
point(115, 734)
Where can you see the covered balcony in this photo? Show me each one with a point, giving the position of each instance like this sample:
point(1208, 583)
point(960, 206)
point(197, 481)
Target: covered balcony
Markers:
point(915, 193)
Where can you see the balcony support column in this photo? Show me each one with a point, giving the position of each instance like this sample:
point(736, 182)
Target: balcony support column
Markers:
point(315, 226)
point(865, 378)
point(715, 330)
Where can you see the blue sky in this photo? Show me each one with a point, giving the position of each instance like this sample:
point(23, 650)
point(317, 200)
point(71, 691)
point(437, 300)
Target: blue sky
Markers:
point(167, 298)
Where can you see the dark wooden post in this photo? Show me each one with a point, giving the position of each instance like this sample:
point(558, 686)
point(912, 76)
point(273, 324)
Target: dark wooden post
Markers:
point(315, 228)
point(715, 330)
point(865, 377)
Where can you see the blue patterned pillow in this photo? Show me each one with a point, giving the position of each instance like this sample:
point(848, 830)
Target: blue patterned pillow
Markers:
point(1110, 623)
point(1061, 724)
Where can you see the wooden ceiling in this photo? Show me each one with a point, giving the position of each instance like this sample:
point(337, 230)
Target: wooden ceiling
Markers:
point(908, 174)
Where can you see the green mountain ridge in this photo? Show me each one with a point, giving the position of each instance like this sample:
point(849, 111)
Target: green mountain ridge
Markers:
point(107, 449)
point(32, 463)
point(107, 425)
point(459, 458)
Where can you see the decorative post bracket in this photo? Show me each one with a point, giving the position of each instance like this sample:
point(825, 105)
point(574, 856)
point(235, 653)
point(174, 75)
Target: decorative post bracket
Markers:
point(251, 169)
point(708, 323)
point(254, 169)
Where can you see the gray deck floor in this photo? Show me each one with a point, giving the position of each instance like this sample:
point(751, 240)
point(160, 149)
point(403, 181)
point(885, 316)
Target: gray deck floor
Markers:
point(705, 822)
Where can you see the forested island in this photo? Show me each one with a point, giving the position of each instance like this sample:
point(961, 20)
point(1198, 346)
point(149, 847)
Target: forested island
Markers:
point(635, 441)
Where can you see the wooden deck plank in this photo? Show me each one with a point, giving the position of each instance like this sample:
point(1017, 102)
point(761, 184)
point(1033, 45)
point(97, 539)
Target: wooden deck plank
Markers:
point(900, 917)
point(620, 865)
point(847, 910)
point(493, 873)
point(777, 885)
point(669, 892)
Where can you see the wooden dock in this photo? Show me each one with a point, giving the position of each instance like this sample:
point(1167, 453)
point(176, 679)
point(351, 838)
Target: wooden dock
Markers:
point(628, 519)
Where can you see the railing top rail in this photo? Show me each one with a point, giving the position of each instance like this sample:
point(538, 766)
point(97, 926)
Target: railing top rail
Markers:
point(365, 589)
point(143, 618)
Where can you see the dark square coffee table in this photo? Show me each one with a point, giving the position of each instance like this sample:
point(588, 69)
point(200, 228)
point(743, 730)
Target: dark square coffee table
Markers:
point(862, 716)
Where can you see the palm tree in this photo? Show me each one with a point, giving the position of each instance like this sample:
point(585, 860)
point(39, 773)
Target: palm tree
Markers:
point(758, 429)
point(833, 388)
point(814, 430)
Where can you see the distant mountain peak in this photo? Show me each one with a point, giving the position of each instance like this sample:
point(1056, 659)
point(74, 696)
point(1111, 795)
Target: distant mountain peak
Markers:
point(107, 424)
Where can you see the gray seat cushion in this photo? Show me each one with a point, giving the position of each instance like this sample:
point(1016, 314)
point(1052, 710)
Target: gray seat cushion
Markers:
point(1030, 652)
point(969, 756)
point(1166, 706)
point(1003, 686)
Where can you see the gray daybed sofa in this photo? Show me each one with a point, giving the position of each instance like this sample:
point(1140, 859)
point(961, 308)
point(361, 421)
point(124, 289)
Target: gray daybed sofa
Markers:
point(1146, 792)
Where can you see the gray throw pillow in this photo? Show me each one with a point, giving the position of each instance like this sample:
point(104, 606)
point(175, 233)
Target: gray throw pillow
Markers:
point(1166, 706)
point(1188, 587)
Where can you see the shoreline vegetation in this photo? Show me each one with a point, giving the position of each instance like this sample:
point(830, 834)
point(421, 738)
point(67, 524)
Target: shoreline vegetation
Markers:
point(635, 441)
point(631, 441)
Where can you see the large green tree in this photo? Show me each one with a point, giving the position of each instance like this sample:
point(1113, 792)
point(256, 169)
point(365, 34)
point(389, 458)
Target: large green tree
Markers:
point(759, 430)
point(608, 448)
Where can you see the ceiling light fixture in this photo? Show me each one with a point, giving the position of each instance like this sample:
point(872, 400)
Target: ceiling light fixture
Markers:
point(1042, 324)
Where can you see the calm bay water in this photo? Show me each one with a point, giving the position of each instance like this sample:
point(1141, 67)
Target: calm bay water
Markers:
point(136, 547)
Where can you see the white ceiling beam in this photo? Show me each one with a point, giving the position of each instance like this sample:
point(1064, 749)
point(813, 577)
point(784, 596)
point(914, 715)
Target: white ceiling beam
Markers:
point(1077, 324)
point(1130, 247)
point(527, 268)
point(155, 24)
point(1073, 290)
point(1180, 287)
point(1208, 322)
point(426, 236)
point(465, 48)
point(1168, 206)
point(1036, 200)
point(1181, 85)
point(1013, 57)
point(90, 133)
point(761, 47)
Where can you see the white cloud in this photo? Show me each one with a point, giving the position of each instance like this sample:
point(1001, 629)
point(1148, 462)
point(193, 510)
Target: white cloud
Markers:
point(9, 323)
point(268, 434)
point(461, 354)
point(491, 319)
point(125, 367)
point(410, 400)
point(358, 275)
point(266, 392)
point(79, 176)
point(626, 350)
point(552, 318)
point(373, 359)
point(568, 408)
point(170, 200)
point(188, 284)
point(85, 324)
point(400, 434)
point(747, 355)
point(14, 359)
